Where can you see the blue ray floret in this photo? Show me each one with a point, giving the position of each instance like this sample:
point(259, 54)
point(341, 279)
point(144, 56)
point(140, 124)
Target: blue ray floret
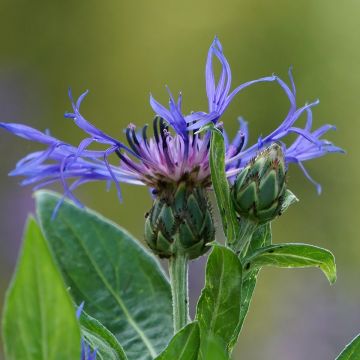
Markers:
point(308, 145)
point(86, 352)
point(218, 94)
point(175, 149)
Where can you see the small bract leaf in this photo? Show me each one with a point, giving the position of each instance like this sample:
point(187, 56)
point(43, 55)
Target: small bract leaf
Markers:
point(289, 199)
point(218, 309)
point(39, 317)
point(351, 351)
point(292, 256)
point(184, 345)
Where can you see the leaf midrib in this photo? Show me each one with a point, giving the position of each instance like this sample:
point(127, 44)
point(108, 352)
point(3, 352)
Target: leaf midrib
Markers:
point(217, 302)
point(304, 258)
point(131, 321)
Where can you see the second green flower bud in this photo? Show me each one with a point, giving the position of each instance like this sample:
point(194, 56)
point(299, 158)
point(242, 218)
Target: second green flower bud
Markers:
point(259, 190)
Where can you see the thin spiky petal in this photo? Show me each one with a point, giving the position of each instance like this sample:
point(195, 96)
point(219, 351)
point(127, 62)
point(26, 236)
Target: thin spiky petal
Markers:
point(174, 152)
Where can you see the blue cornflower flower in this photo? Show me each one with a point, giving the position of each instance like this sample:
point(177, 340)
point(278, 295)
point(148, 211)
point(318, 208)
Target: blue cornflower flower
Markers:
point(167, 156)
point(308, 145)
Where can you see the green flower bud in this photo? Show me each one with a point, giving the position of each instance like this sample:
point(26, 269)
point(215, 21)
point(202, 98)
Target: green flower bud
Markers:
point(180, 221)
point(259, 190)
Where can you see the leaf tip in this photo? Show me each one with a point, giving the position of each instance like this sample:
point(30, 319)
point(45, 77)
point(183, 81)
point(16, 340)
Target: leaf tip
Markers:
point(332, 276)
point(331, 272)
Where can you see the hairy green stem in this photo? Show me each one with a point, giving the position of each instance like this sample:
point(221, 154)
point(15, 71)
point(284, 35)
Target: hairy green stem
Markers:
point(178, 270)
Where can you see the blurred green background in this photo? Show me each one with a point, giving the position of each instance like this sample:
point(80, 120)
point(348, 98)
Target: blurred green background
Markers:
point(122, 50)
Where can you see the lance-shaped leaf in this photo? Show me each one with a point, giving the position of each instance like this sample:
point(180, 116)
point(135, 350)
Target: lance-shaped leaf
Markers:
point(218, 309)
point(292, 256)
point(120, 282)
point(101, 339)
point(221, 184)
point(260, 238)
point(39, 318)
point(351, 351)
point(184, 345)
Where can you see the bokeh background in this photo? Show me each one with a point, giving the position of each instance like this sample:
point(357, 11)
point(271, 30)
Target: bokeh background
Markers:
point(121, 50)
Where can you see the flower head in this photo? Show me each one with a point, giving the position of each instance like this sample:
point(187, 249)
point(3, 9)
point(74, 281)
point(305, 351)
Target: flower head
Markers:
point(174, 152)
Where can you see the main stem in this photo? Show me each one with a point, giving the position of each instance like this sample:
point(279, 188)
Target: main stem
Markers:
point(178, 270)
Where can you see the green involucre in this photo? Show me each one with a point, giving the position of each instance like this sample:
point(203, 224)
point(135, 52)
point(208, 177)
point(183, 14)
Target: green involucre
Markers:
point(180, 222)
point(259, 189)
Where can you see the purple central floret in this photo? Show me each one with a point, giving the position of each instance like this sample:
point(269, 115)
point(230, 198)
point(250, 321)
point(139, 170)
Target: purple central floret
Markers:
point(165, 157)
point(169, 155)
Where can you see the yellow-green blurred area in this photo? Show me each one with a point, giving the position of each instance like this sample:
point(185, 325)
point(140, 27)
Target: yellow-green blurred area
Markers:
point(123, 50)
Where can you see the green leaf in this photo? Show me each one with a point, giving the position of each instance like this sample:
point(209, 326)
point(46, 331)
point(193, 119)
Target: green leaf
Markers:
point(122, 284)
point(212, 348)
point(39, 317)
point(218, 308)
point(351, 351)
point(260, 238)
point(221, 184)
point(292, 256)
point(100, 338)
point(184, 345)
